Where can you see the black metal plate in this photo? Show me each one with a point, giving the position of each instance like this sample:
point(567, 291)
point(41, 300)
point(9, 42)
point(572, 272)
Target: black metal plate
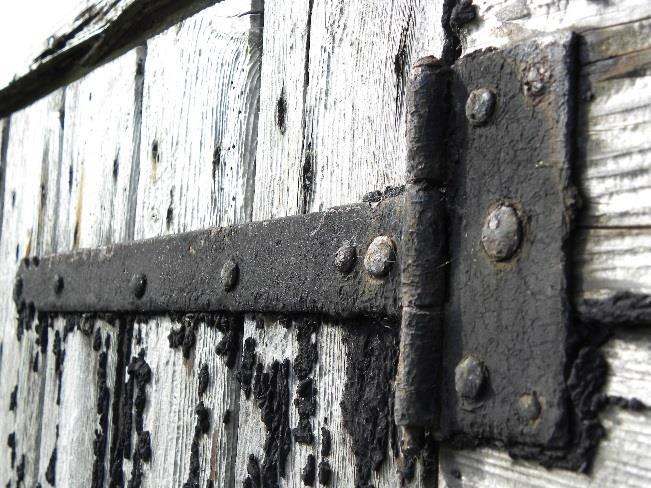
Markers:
point(512, 316)
point(285, 266)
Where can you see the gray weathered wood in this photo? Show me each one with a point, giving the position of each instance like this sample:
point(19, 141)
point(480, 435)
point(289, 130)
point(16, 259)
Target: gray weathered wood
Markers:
point(197, 158)
point(100, 32)
point(92, 197)
point(32, 146)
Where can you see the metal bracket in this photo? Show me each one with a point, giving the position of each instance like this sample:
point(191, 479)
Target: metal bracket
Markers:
point(471, 256)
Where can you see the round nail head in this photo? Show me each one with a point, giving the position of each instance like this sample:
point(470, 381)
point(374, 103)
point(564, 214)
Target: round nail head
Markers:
point(18, 288)
point(469, 378)
point(229, 275)
point(529, 407)
point(501, 233)
point(57, 284)
point(345, 258)
point(480, 106)
point(380, 256)
point(138, 285)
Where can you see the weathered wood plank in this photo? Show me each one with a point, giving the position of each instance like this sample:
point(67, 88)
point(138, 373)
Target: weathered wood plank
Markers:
point(199, 133)
point(102, 31)
point(32, 146)
point(92, 191)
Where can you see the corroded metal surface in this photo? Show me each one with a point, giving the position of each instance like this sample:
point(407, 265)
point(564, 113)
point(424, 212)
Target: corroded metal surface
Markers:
point(282, 266)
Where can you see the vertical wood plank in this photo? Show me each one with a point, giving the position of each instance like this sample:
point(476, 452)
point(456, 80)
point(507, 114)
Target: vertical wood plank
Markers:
point(199, 135)
point(101, 128)
point(31, 148)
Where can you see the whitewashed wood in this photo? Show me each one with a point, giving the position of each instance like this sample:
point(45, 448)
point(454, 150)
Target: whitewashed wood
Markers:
point(200, 93)
point(503, 22)
point(92, 194)
point(34, 136)
point(334, 61)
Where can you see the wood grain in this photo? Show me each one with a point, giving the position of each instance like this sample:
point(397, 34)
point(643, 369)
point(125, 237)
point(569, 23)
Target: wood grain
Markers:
point(33, 145)
point(199, 133)
point(92, 190)
point(103, 30)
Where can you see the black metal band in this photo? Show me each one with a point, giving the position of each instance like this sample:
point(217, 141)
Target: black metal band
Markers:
point(281, 266)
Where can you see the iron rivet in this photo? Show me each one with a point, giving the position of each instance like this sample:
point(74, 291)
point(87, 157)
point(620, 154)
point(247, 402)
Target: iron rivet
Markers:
point(529, 407)
point(501, 233)
point(18, 288)
point(469, 378)
point(534, 83)
point(345, 258)
point(480, 106)
point(138, 285)
point(380, 256)
point(58, 284)
point(229, 275)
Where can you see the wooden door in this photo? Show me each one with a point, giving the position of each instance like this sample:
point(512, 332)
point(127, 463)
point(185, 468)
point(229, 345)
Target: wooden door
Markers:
point(145, 121)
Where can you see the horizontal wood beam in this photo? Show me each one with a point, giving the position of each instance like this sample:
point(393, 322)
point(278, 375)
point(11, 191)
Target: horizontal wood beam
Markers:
point(100, 33)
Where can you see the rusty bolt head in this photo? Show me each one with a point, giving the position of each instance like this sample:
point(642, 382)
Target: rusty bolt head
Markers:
point(469, 378)
point(529, 407)
point(501, 233)
point(138, 285)
point(18, 288)
point(230, 274)
point(480, 106)
point(57, 284)
point(380, 256)
point(534, 81)
point(345, 258)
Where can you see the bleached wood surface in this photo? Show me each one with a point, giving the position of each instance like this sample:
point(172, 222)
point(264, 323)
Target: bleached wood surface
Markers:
point(197, 156)
point(33, 145)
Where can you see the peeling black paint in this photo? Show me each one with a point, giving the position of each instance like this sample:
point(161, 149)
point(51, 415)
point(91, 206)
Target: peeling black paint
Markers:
point(122, 405)
point(245, 373)
point(271, 389)
point(13, 399)
point(326, 442)
point(59, 356)
point(204, 379)
point(325, 474)
point(139, 377)
point(201, 428)
point(254, 476)
point(308, 474)
point(50, 472)
point(281, 111)
point(367, 403)
point(229, 345)
point(11, 444)
point(103, 405)
point(226, 419)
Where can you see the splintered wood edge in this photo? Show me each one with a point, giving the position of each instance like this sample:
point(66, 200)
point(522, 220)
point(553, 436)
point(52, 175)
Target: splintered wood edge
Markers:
point(97, 35)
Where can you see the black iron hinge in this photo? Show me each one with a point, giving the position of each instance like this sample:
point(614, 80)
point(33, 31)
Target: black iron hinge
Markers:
point(471, 256)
